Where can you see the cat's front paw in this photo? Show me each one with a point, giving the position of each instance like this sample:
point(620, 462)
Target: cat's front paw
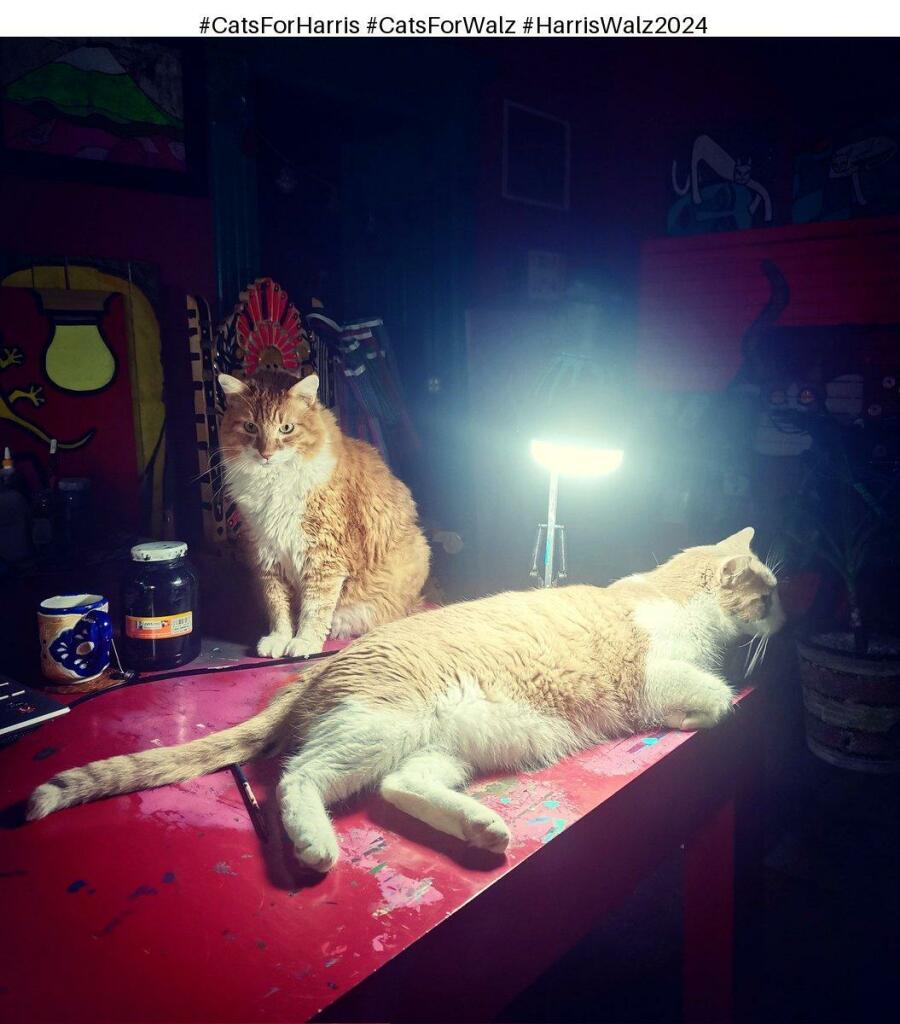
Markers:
point(704, 715)
point(302, 647)
point(486, 830)
point(273, 645)
point(320, 853)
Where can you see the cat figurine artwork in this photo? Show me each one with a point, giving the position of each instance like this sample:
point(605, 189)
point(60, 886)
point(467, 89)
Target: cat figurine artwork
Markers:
point(331, 528)
point(512, 682)
point(789, 371)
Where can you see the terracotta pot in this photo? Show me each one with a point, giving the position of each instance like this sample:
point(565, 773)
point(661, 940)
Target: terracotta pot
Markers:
point(852, 702)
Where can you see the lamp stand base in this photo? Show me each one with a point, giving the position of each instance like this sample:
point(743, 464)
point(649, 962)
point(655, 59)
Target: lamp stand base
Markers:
point(557, 556)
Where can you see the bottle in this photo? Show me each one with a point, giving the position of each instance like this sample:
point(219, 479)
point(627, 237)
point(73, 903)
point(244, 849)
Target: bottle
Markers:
point(43, 508)
point(42, 524)
point(9, 476)
point(74, 513)
point(160, 620)
point(14, 515)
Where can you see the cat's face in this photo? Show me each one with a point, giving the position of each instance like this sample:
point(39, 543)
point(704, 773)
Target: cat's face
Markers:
point(747, 590)
point(271, 420)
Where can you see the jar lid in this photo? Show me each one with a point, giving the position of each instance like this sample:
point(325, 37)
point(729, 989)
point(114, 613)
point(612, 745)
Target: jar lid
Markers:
point(158, 551)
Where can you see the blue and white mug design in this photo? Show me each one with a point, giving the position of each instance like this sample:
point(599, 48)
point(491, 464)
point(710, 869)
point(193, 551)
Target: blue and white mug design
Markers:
point(76, 637)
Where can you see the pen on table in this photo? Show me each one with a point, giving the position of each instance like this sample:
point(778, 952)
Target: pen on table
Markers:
point(256, 815)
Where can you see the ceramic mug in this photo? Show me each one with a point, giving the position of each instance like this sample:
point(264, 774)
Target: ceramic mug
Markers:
point(76, 637)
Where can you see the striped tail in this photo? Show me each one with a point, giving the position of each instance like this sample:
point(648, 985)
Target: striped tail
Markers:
point(263, 733)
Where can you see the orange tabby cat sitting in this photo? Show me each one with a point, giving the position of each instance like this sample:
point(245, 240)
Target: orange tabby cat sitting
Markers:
point(326, 519)
point(509, 682)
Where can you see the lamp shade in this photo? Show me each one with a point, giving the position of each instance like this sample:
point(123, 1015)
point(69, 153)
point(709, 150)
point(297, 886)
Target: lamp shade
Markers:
point(576, 415)
point(576, 459)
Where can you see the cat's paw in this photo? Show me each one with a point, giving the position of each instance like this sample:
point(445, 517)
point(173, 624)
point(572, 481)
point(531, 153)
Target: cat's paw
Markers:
point(320, 854)
point(713, 711)
point(487, 831)
point(273, 645)
point(301, 647)
point(700, 720)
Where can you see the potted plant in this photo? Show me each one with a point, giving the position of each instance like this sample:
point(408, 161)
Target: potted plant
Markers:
point(843, 524)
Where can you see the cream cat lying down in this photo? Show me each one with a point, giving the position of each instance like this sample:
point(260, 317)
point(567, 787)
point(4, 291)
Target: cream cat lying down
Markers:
point(512, 682)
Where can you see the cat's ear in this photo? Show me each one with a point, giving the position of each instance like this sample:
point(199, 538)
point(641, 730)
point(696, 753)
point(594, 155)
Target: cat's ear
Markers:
point(231, 385)
point(733, 569)
point(737, 542)
point(305, 389)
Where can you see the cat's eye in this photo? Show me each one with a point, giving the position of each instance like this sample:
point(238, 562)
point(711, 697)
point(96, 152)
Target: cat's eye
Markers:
point(286, 428)
point(250, 427)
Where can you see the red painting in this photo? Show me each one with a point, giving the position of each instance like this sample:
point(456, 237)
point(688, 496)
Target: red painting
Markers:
point(64, 374)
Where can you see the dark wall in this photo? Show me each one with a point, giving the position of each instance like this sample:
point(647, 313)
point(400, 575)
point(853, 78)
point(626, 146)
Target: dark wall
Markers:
point(395, 148)
point(366, 202)
point(396, 204)
point(634, 107)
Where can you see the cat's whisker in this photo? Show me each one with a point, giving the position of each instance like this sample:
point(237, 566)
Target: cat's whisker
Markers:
point(217, 461)
point(218, 491)
point(748, 671)
point(761, 655)
point(751, 653)
point(215, 469)
point(758, 654)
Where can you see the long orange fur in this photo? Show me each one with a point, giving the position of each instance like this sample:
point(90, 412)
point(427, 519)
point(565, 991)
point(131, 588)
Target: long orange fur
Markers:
point(329, 524)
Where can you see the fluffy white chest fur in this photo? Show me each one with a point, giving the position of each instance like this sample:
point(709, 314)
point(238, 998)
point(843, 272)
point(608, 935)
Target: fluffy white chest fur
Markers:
point(684, 661)
point(272, 500)
point(697, 632)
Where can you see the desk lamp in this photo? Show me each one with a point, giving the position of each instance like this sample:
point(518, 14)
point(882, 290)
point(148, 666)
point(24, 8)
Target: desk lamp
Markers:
point(564, 460)
point(575, 438)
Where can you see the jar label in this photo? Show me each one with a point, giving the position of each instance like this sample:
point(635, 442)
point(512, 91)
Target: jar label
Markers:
point(159, 627)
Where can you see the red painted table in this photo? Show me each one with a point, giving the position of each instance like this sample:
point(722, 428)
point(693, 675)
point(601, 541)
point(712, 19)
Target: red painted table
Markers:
point(164, 905)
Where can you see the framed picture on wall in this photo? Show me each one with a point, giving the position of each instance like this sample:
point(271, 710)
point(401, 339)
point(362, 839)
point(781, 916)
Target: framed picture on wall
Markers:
point(115, 111)
point(536, 157)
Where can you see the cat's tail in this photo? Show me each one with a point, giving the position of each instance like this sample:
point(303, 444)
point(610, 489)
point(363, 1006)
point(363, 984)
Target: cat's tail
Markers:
point(266, 732)
point(753, 367)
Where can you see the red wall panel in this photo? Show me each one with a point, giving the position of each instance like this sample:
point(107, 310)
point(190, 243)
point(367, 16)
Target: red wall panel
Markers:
point(699, 295)
point(173, 232)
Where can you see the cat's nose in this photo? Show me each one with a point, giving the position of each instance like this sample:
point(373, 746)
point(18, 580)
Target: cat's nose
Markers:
point(267, 454)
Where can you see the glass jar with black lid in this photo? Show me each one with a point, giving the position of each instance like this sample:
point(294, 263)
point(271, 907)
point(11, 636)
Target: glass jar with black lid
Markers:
point(160, 623)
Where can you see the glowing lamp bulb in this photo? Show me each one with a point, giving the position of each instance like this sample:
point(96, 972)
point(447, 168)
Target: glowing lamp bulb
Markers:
point(576, 460)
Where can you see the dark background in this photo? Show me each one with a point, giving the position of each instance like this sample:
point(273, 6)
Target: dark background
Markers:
point(393, 205)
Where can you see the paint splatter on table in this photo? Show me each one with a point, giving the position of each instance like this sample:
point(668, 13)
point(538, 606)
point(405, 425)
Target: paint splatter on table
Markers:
point(165, 903)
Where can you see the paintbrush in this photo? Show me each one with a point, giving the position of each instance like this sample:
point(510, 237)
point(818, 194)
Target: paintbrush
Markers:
point(253, 808)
